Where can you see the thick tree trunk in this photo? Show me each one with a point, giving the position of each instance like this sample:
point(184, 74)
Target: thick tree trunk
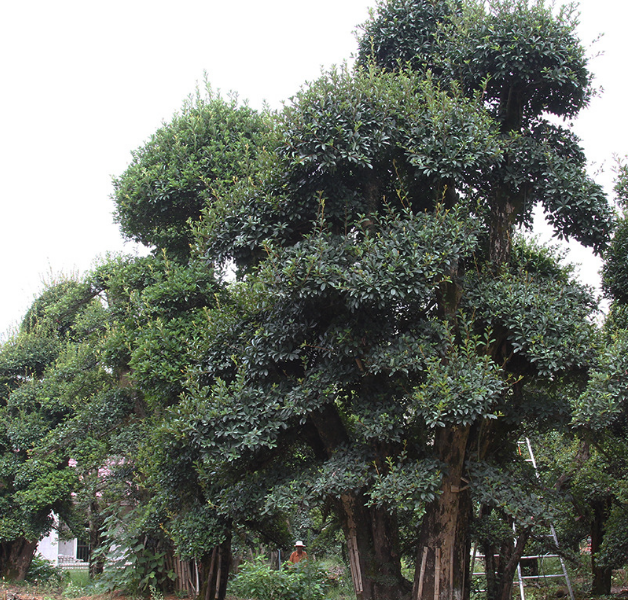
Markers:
point(442, 568)
point(371, 533)
point(601, 585)
point(373, 549)
point(214, 572)
point(16, 557)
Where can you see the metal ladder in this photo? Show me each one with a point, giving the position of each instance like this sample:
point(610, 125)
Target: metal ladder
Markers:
point(526, 443)
point(521, 577)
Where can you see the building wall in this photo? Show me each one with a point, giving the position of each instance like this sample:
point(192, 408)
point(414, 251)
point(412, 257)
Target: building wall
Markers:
point(49, 547)
point(57, 551)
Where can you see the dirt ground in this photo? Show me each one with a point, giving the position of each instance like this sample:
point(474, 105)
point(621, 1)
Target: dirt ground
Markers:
point(12, 592)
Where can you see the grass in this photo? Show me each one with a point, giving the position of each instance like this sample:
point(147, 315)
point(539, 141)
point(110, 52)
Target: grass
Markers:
point(78, 584)
point(49, 582)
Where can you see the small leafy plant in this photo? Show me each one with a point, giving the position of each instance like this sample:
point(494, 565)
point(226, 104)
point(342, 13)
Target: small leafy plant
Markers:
point(43, 571)
point(257, 579)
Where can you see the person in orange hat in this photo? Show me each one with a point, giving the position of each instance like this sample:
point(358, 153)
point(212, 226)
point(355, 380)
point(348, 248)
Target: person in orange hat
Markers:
point(299, 554)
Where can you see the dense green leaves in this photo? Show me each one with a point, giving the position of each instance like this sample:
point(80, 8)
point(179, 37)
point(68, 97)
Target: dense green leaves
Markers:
point(459, 387)
point(527, 59)
point(47, 372)
point(387, 336)
point(209, 144)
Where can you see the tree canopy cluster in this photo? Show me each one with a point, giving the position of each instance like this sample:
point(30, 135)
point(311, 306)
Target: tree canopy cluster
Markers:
point(341, 327)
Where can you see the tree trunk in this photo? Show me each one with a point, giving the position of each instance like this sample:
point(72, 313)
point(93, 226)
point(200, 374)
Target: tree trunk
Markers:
point(373, 549)
point(371, 533)
point(506, 574)
point(214, 572)
point(503, 213)
point(500, 563)
point(15, 558)
point(601, 585)
point(442, 568)
point(96, 565)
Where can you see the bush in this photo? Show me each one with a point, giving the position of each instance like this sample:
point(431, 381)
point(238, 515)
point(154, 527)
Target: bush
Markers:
point(257, 579)
point(43, 571)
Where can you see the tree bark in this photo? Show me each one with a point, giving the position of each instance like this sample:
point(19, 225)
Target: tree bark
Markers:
point(16, 557)
point(503, 213)
point(373, 549)
point(601, 584)
point(500, 572)
point(214, 572)
point(371, 533)
point(442, 568)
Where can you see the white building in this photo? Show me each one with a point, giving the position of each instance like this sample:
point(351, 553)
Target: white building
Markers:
point(68, 554)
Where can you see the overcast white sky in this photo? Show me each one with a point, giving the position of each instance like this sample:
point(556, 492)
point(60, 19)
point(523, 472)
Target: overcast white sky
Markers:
point(85, 82)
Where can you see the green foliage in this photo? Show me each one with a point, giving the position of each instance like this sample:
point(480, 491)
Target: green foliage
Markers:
point(73, 591)
point(615, 274)
point(382, 298)
point(136, 560)
point(78, 584)
point(407, 485)
point(621, 183)
point(57, 308)
point(504, 41)
point(615, 277)
point(402, 32)
point(43, 571)
point(614, 551)
point(157, 305)
point(544, 317)
point(352, 144)
point(463, 387)
point(512, 491)
point(303, 581)
point(196, 531)
point(605, 396)
point(47, 374)
point(382, 302)
point(496, 49)
point(536, 260)
point(209, 144)
point(518, 44)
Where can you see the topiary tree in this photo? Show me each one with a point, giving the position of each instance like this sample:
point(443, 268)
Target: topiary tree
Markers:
point(384, 305)
point(34, 366)
point(385, 329)
point(208, 144)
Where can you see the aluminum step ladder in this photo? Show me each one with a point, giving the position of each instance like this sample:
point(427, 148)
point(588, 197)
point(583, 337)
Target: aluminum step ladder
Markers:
point(521, 577)
point(564, 575)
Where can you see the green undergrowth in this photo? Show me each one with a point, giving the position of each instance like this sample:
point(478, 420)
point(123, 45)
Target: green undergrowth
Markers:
point(308, 580)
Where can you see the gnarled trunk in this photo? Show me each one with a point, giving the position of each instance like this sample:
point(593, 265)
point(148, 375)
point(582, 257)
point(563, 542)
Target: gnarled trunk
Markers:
point(371, 533)
point(601, 585)
point(373, 549)
point(214, 572)
point(442, 568)
point(16, 557)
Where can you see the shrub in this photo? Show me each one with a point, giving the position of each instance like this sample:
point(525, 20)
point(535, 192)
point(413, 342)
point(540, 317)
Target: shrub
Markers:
point(43, 571)
point(257, 579)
